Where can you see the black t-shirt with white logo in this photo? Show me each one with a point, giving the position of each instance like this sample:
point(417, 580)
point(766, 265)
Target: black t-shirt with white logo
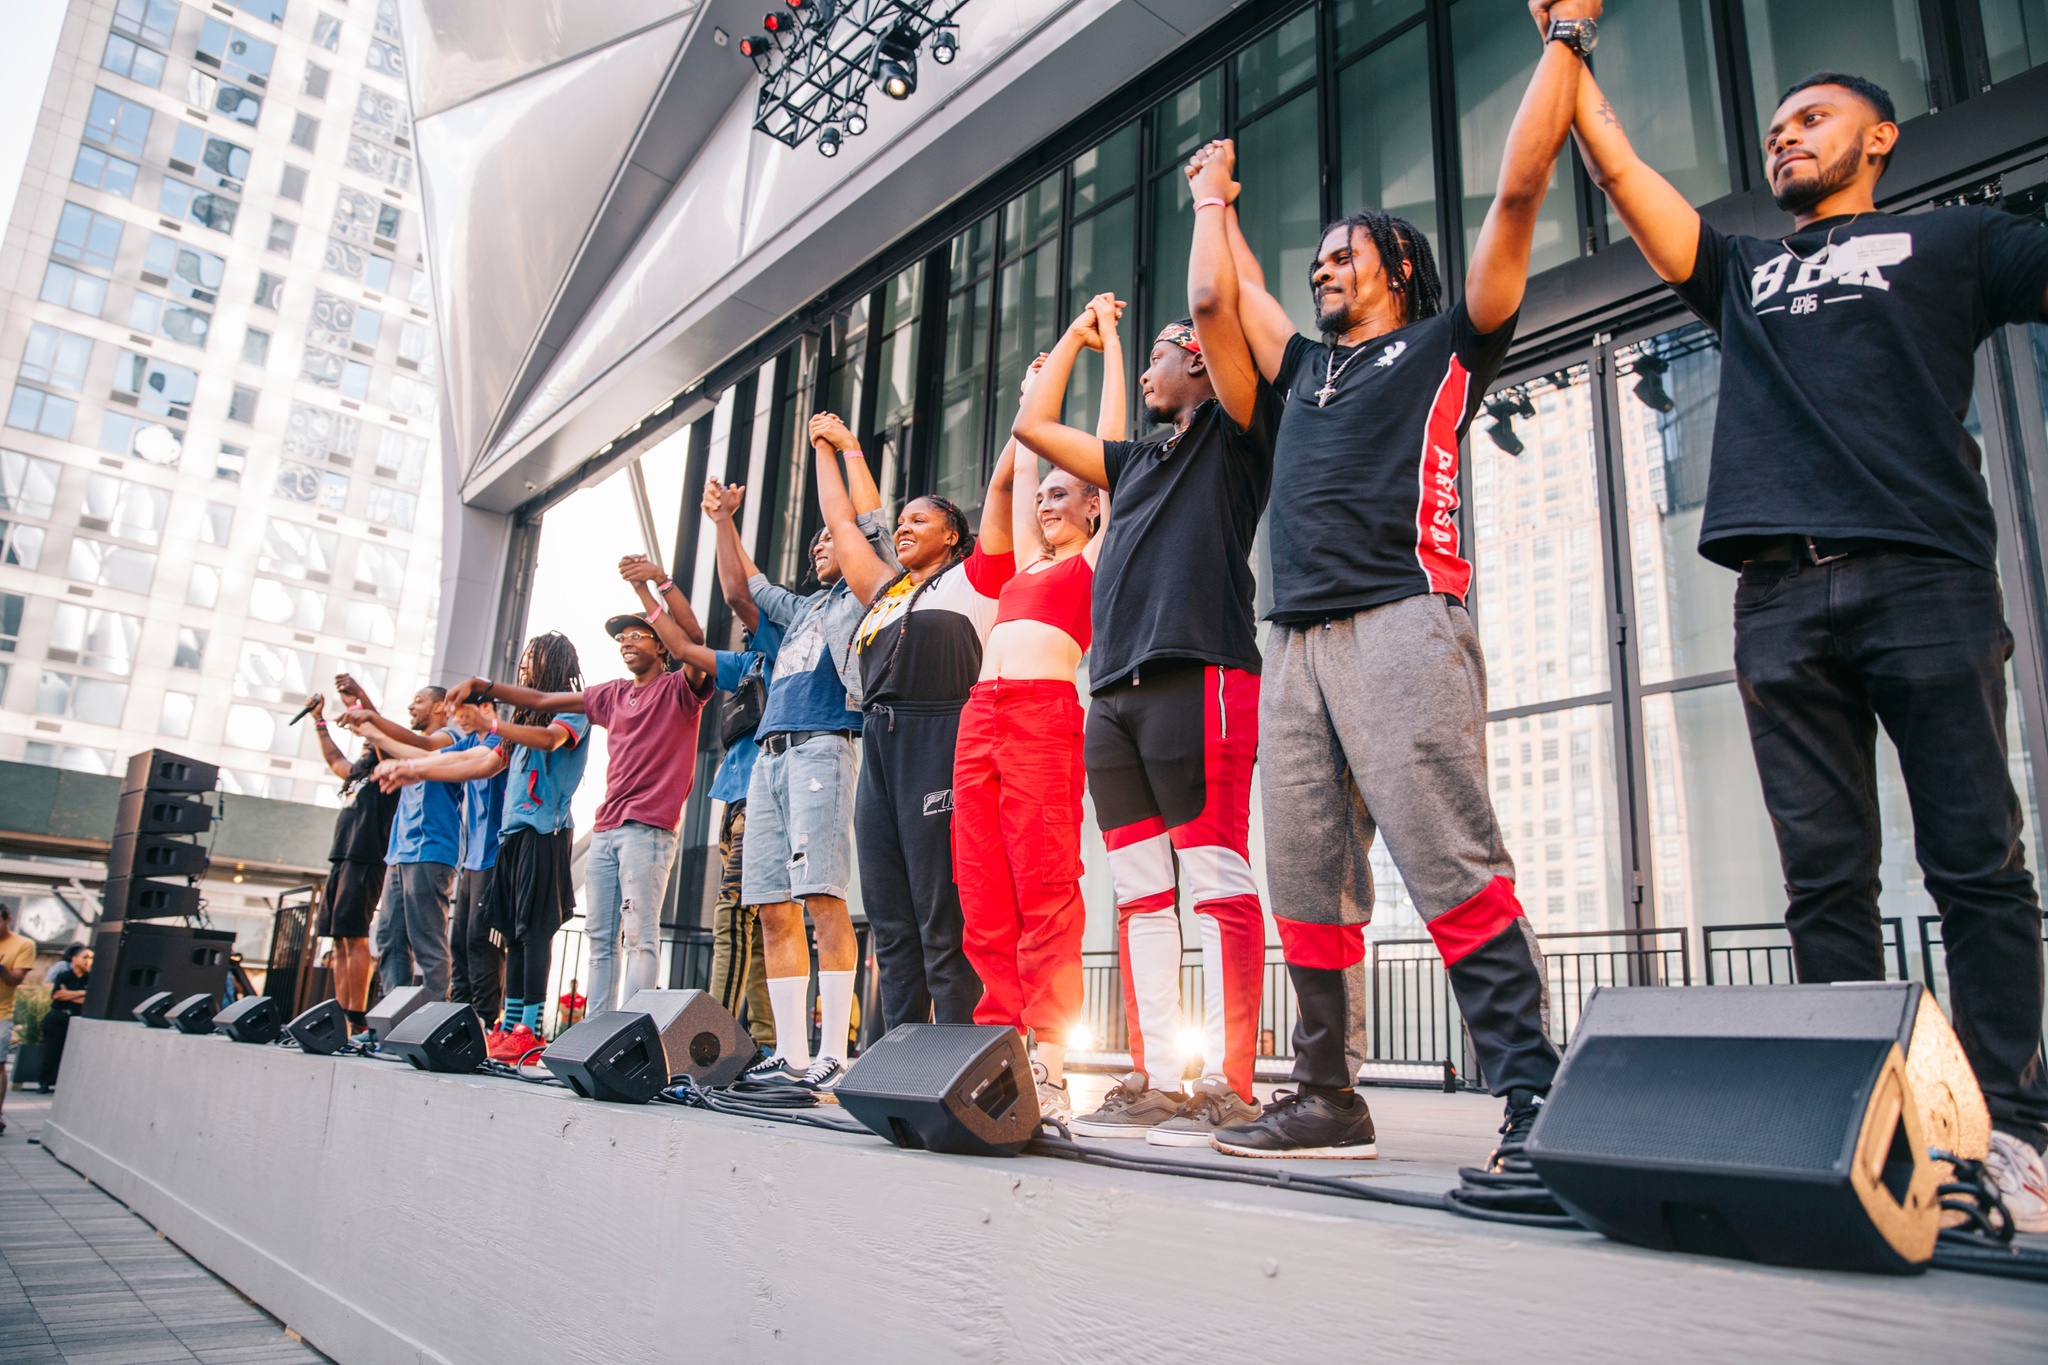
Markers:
point(923, 644)
point(1367, 465)
point(1175, 577)
point(1847, 363)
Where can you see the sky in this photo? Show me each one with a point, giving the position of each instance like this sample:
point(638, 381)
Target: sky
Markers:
point(31, 28)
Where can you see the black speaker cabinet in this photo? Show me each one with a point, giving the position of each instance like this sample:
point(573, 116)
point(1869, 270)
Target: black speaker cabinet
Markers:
point(1768, 1123)
point(700, 1037)
point(157, 812)
point(134, 960)
point(154, 855)
point(613, 1056)
point(195, 1013)
point(960, 1088)
point(134, 898)
point(393, 1009)
point(441, 1036)
point(163, 771)
point(252, 1019)
point(322, 1029)
point(151, 1012)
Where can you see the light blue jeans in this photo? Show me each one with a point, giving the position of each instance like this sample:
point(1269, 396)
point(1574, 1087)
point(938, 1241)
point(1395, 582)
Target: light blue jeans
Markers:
point(627, 880)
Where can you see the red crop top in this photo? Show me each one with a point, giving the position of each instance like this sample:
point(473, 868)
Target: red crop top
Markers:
point(1059, 597)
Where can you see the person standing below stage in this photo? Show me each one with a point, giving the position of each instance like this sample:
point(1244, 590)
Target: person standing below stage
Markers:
point(1017, 776)
point(419, 876)
point(531, 891)
point(1173, 723)
point(800, 799)
point(920, 648)
point(68, 984)
point(355, 867)
point(1374, 714)
point(739, 969)
point(1847, 491)
point(17, 957)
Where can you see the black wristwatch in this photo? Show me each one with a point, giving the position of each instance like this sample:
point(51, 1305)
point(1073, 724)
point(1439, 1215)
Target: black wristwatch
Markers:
point(1580, 35)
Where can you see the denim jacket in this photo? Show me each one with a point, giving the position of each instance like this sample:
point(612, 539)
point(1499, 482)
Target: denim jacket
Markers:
point(833, 612)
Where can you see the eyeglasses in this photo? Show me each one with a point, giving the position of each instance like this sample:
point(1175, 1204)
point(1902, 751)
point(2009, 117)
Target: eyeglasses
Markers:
point(642, 636)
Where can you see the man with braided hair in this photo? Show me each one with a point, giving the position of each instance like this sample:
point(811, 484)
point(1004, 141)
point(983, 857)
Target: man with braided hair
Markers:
point(1373, 718)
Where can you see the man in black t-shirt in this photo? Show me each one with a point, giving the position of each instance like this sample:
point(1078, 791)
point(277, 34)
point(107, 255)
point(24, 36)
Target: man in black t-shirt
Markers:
point(355, 871)
point(68, 984)
point(1173, 718)
point(1373, 721)
point(1847, 490)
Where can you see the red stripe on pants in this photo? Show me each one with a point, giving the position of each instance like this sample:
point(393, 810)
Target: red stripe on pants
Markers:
point(1017, 780)
point(1325, 947)
point(1472, 922)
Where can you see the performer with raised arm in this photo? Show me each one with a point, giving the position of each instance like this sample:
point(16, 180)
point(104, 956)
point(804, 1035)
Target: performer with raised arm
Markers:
point(1017, 776)
point(1373, 719)
point(920, 649)
point(1173, 721)
point(1847, 491)
point(355, 875)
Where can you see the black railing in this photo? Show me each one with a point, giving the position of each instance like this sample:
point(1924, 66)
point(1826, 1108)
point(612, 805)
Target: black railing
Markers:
point(1934, 964)
point(294, 976)
point(1763, 957)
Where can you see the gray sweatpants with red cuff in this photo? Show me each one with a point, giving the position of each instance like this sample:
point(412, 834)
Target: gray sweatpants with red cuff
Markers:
point(1374, 725)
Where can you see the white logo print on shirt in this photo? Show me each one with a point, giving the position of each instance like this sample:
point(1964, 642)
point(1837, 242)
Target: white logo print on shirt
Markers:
point(1390, 355)
point(1855, 262)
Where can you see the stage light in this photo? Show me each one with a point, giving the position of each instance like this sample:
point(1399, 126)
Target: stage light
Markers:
point(1650, 385)
point(1503, 410)
point(828, 142)
point(756, 47)
point(776, 23)
point(945, 47)
point(857, 119)
point(895, 65)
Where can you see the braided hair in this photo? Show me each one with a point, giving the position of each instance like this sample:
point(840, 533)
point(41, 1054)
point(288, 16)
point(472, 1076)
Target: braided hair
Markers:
point(1398, 242)
point(555, 669)
point(360, 770)
point(963, 545)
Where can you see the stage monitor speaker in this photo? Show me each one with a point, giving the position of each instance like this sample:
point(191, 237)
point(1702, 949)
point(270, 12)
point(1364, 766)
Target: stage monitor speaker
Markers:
point(1780, 1124)
point(394, 1007)
point(322, 1030)
point(135, 960)
point(699, 1036)
point(163, 771)
point(151, 812)
point(123, 898)
point(252, 1019)
point(195, 1013)
point(614, 1056)
point(152, 1011)
point(443, 1035)
point(154, 855)
point(960, 1088)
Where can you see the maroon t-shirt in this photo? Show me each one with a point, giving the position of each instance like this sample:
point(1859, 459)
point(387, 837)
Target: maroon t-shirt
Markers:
point(651, 748)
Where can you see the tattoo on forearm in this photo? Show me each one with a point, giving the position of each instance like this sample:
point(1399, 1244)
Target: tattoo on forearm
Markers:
point(1606, 114)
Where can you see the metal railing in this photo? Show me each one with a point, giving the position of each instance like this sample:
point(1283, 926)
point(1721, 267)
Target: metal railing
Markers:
point(1764, 957)
point(293, 976)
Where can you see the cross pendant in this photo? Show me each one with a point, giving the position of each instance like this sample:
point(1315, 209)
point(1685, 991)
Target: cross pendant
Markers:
point(1324, 394)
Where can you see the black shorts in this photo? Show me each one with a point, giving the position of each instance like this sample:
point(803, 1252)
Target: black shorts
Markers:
point(531, 893)
point(350, 902)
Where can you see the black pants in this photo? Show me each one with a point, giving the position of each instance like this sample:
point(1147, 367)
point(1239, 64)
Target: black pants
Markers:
point(527, 963)
point(903, 827)
point(56, 1028)
point(1917, 642)
point(477, 973)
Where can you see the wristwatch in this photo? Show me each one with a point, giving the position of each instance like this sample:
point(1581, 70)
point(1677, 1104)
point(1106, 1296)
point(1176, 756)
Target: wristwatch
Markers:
point(1580, 35)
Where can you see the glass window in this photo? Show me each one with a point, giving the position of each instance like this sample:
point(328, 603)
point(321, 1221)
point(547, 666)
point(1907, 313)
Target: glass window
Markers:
point(203, 588)
point(184, 270)
point(1361, 21)
point(1105, 170)
point(320, 367)
point(282, 235)
point(272, 672)
point(1173, 234)
point(303, 483)
point(419, 290)
point(1383, 136)
point(45, 413)
point(242, 404)
point(94, 700)
point(133, 511)
point(292, 185)
point(305, 132)
point(963, 379)
point(284, 605)
point(74, 289)
point(399, 456)
point(385, 59)
point(380, 570)
point(210, 160)
point(269, 290)
point(87, 237)
point(377, 275)
point(190, 648)
point(155, 20)
point(1099, 260)
point(326, 32)
point(125, 57)
point(230, 463)
point(411, 397)
point(333, 321)
point(315, 84)
point(28, 486)
point(355, 216)
point(297, 551)
point(1281, 210)
point(12, 604)
point(252, 727)
point(95, 638)
point(416, 339)
point(1493, 58)
point(98, 170)
point(380, 161)
point(269, 10)
point(1188, 118)
point(1559, 812)
point(390, 507)
point(241, 105)
point(317, 434)
point(1028, 298)
point(218, 524)
point(1277, 63)
point(2015, 35)
point(176, 199)
point(148, 313)
point(112, 566)
point(157, 385)
point(240, 56)
point(370, 623)
point(121, 434)
point(256, 346)
point(56, 357)
point(175, 719)
point(369, 324)
point(76, 758)
point(21, 546)
point(1877, 39)
point(120, 124)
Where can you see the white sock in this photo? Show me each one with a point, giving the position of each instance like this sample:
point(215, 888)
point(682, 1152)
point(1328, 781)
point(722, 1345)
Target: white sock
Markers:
point(835, 1013)
point(787, 998)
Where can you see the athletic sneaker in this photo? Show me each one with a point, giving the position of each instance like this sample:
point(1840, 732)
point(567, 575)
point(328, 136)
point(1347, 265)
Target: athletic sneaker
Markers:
point(1515, 1127)
point(495, 1043)
point(768, 1069)
point(1052, 1097)
point(2016, 1170)
point(822, 1074)
point(1130, 1110)
point(1213, 1105)
point(1303, 1124)
point(522, 1047)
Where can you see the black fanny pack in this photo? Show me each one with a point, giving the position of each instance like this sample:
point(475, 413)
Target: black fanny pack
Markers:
point(743, 709)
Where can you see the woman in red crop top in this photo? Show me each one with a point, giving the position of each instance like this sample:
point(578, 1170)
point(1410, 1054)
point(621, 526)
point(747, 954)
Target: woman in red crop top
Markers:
point(1017, 773)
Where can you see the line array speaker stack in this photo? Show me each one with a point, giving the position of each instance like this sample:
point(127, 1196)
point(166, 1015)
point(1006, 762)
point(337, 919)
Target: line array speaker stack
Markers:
point(1783, 1124)
point(158, 826)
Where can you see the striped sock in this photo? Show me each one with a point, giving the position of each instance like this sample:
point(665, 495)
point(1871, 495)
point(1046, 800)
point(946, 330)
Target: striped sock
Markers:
point(531, 1017)
point(512, 1008)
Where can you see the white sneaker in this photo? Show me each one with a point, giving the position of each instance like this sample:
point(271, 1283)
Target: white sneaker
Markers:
point(1052, 1098)
point(2017, 1172)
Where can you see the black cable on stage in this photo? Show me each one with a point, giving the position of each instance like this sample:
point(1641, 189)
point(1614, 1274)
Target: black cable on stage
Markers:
point(1982, 1243)
point(507, 1071)
point(777, 1104)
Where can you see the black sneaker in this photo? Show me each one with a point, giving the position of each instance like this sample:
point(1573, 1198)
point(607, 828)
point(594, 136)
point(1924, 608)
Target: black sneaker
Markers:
point(1520, 1121)
point(1303, 1124)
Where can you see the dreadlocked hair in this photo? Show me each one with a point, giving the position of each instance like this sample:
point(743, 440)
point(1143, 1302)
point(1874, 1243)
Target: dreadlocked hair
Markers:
point(1398, 242)
point(360, 770)
point(963, 545)
point(555, 669)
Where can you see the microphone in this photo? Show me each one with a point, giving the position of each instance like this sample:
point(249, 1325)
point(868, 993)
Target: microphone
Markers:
point(304, 711)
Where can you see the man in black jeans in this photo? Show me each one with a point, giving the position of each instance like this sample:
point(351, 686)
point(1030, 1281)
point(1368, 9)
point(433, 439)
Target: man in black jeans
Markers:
point(1846, 489)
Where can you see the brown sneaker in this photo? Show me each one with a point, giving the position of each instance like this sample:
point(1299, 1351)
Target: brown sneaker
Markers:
point(1130, 1110)
point(1213, 1105)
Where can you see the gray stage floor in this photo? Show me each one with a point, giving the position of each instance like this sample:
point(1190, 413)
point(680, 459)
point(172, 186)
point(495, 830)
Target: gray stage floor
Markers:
point(85, 1282)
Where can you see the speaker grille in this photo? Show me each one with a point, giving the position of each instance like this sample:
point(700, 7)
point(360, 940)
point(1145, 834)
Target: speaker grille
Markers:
point(915, 1059)
point(1769, 1103)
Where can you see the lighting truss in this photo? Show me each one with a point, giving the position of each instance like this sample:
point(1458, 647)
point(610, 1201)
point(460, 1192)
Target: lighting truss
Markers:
point(817, 61)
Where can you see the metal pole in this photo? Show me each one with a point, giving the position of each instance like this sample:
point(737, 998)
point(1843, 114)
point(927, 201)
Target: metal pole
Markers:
point(637, 478)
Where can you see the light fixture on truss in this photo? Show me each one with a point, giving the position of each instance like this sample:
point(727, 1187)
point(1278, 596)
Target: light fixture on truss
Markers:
point(818, 59)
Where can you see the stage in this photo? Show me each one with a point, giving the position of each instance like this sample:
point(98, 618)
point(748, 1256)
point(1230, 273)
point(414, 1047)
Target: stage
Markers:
point(388, 1215)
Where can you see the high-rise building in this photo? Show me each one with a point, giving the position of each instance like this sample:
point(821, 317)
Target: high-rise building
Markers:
point(218, 485)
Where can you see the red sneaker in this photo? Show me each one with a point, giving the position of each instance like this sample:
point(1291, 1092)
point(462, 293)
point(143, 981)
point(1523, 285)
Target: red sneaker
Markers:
point(522, 1048)
point(496, 1042)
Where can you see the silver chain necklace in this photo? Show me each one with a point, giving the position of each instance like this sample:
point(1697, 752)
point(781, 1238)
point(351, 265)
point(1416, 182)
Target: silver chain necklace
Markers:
point(1332, 372)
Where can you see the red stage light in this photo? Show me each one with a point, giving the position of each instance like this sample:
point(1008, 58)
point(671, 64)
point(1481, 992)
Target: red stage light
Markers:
point(773, 22)
point(755, 47)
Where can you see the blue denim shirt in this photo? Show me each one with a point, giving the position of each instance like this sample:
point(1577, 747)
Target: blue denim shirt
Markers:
point(429, 821)
point(817, 643)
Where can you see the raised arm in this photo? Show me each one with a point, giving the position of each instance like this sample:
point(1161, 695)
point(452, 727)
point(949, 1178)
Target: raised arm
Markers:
point(1025, 537)
point(389, 736)
point(721, 505)
point(1112, 419)
point(1213, 290)
point(1662, 223)
point(1499, 272)
point(330, 752)
point(1038, 423)
point(861, 489)
point(1267, 328)
point(994, 536)
point(470, 764)
point(520, 698)
point(866, 572)
point(667, 614)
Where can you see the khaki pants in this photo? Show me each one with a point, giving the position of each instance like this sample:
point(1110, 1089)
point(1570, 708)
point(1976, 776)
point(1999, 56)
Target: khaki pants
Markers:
point(739, 971)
